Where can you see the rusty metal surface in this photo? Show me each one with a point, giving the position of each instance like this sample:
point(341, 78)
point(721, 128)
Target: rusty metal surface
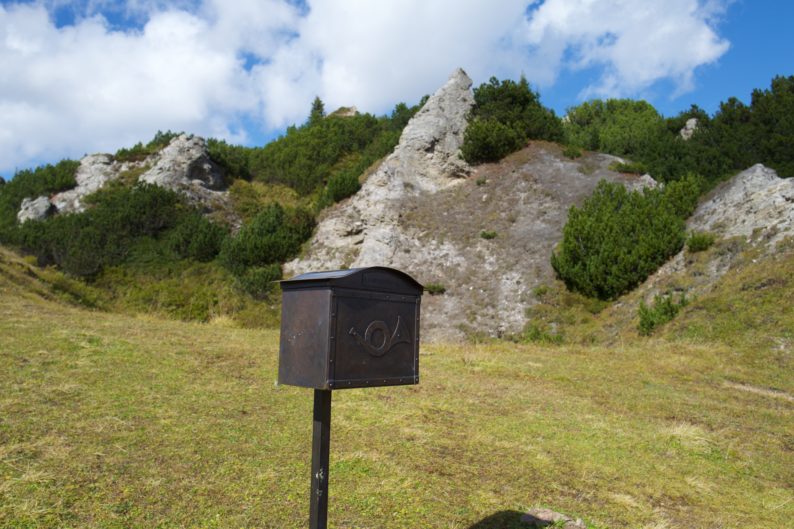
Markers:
point(305, 331)
point(350, 328)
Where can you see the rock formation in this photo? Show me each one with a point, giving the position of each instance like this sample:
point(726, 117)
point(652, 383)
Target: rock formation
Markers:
point(689, 128)
point(364, 230)
point(755, 206)
point(424, 211)
point(754, 202)
point(95, 171)
point(34, 209)
point(183, 166)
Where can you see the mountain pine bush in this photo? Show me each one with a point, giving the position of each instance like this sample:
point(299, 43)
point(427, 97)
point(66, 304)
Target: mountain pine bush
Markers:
point(506, 115)
point(617, 238)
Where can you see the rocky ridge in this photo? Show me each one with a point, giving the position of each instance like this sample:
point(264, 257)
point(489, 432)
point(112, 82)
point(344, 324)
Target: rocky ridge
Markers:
point(755, 209)
point(183, 166)
point(485, 235)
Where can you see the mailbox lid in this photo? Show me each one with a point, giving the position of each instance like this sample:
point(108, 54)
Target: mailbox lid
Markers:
point(373, 278)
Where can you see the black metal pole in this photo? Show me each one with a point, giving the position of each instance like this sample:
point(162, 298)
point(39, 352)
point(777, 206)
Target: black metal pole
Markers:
point(321, 443)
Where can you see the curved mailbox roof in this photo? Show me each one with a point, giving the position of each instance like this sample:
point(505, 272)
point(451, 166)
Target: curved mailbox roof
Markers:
point(370, 278)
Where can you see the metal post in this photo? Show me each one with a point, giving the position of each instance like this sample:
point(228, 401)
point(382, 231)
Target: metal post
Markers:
point(321, 443)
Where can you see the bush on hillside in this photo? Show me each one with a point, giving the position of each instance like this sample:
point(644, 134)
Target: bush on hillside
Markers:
point(31, 183)
point(622, 127)
point(617, 238)
point(488, 140)
point(505, 116)
point(83, 243)
point(139, 151)
point(233, 159)
point(195, 237)
point(663, 310)
point(272, 237)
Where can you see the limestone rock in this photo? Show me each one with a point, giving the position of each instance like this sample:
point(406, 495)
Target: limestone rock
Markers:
point(689, 128)
point(754, 202)
point(95, 171)
point(34, 209)
point(363, 231)
point(182, 162)
point(547, 517)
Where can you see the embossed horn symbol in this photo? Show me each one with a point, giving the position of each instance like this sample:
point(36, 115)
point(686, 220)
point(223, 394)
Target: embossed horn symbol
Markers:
point(377, 340)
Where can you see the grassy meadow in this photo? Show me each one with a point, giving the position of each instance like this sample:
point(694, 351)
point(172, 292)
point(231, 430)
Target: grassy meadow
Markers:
point(118, 421)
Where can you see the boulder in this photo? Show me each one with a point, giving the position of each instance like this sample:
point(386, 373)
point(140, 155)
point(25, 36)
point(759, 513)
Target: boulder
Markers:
point(547, 517)
point(184, 163)
point(34, 209)
point(754, 202)
point(95, 171)
point(689, 128)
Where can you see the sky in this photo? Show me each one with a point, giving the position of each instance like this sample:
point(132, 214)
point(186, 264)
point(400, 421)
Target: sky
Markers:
point(87, 76)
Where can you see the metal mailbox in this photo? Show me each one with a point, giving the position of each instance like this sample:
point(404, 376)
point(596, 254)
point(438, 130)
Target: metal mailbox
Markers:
point(350, 329)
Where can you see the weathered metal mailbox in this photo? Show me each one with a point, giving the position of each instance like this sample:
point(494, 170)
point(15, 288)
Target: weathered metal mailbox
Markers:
point(346, 329)
point(350, 329)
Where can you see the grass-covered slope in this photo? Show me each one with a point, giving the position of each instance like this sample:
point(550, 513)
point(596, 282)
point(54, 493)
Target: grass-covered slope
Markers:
point(115, 421)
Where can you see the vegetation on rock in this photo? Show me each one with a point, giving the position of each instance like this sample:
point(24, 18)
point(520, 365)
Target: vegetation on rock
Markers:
point(506, 115)
point(618, 237)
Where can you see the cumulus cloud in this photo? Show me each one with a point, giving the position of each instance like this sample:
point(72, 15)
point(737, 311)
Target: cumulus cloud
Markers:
point(119, 71)
point(634, 42)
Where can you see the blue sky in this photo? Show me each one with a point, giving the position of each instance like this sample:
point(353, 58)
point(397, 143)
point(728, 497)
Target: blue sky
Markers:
point(95, 75)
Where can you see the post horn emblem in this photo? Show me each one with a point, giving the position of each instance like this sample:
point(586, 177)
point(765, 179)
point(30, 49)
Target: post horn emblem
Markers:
point(377, 339)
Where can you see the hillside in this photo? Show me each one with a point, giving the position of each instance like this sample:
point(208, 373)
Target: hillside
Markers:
point(115, 421)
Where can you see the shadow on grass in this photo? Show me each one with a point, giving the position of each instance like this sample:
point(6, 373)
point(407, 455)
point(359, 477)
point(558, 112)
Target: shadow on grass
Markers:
point(501, 520)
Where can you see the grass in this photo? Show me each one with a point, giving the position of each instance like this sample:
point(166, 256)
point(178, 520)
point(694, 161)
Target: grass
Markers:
point(115, 421)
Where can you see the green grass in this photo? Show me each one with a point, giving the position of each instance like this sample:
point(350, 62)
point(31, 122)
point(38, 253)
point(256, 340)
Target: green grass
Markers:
point(115, 421)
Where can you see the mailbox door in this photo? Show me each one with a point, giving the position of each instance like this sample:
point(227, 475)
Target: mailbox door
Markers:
point(305, 331)
point(377, 339)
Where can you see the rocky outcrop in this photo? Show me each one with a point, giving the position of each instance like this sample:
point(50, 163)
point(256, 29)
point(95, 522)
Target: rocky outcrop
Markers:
point(95, 171)
point(364, 230)
point(425, 211)
point(183, 165)
point(755, 202)
point(689, 128)
point(34, 209)
point(755, 208)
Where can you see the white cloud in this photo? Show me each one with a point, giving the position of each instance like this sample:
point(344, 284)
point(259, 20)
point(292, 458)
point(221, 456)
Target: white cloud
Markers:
point(635, 42)
point(186, 64)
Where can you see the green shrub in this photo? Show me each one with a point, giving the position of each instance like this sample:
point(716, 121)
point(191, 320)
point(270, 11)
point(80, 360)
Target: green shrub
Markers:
point(682, 194)
point(664, 309)
point(535, 333)
point(197, 238)
point(139, 151)
point(488, 234)
point(572, 152)
point(273, 236)
point(83, 243)
point(629, 167)
point(616, 239)
point(343, 185)
point(506, 115)
point(233, 159)
point(32, 183)
point(258, 280)
point(435, 289)
point(700, 241)
point(489, 140)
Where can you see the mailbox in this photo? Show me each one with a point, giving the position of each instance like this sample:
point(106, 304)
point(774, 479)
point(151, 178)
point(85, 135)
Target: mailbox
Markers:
point(350, 329)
